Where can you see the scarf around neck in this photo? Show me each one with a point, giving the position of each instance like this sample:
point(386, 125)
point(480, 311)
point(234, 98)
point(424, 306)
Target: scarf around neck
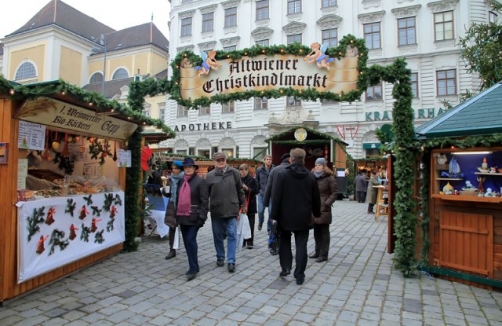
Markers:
point(185, 200)
point(174, 186)
point(318, 174)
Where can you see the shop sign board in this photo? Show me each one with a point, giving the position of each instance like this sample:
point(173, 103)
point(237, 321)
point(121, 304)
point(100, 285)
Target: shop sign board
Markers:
point(54, 113)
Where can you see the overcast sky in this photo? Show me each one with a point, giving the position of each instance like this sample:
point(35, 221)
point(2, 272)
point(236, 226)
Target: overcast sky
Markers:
point(117, 14)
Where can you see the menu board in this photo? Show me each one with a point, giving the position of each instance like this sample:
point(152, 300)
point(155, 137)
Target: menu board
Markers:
point(124, 158)
point(31, 136)
point(93, 169)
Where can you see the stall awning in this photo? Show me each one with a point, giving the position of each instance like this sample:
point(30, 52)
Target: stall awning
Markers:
point(371, 145)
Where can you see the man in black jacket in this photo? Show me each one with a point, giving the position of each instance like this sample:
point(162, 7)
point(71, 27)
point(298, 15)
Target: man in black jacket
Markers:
point(296, 198)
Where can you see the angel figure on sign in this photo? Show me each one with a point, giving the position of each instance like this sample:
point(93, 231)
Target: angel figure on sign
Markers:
point(318, 55)
point(208, 62)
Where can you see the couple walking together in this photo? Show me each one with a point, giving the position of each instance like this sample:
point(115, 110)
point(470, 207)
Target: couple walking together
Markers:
point(191, 196)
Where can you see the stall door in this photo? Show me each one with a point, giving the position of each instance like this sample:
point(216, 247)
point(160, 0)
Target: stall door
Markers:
point(466, 242)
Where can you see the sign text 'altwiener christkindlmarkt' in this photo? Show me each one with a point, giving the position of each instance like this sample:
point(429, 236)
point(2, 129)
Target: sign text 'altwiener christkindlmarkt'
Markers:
point(264, 72)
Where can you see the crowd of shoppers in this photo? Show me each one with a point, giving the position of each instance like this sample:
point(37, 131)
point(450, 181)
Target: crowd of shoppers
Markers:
point(298, 200)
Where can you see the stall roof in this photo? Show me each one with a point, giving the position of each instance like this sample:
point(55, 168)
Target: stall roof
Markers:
point(480, 115)
point(289, 133)
point(71, 94)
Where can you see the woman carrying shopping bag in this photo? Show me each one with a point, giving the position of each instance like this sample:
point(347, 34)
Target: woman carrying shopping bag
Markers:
point(191, 212)
point(250, 187)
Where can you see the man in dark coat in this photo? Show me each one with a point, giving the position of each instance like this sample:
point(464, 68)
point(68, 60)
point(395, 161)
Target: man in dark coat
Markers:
point(285, 161)
point(296, 198)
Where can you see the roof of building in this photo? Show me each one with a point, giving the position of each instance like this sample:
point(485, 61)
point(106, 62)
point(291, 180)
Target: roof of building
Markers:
point(60, 14)
point(56, 12)
point(112, 87)
point(477, 116)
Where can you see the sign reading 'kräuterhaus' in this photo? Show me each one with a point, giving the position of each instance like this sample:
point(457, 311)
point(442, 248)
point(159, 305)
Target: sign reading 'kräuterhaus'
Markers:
point(264, 72)
point(59, 114)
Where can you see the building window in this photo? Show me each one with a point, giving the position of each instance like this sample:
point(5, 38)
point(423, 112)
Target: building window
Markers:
point(293, 101)
point(207, 22)
point(120, 73)
point(330, 36)
point(96, 77)
point(446, 82)
point(181, 151)
point(259, 153)
point(414, 84)
point(328, 3)
point(186, 26)
point(374, 93)
point(407, 31)
point(205, 110)
point(294, 6)
point(228, 107)
point(443, 25)
point(296, 38)
point(146, 112)
point(25, 71)
point(492, 17)
point(162, 114)
point(262, 42)
point(260, 103)
point(230, 48)
point(231, 17)
point(372, 35)
point(182, 111)
point(262, 10)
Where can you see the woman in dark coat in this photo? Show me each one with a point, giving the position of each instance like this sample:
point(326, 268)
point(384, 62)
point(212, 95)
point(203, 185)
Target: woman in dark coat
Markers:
point(327, 189)
point(250, 187)
point(191, 212)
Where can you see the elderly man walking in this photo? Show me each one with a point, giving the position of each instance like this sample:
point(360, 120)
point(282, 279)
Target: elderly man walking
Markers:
point(226, 198)
point(295, 199)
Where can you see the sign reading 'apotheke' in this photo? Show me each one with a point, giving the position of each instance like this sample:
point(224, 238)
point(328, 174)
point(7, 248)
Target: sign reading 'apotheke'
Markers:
point(270, 72)
point(59, 114)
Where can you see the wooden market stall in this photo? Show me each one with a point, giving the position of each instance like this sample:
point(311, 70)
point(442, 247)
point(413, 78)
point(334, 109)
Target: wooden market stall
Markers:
point(316, 144)
point(63, 154)
point(464, 202)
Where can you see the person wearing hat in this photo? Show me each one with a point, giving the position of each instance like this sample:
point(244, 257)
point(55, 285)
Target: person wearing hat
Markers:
point(226, 197)
point(191, 212)
point(327, 190)
point(170, 219)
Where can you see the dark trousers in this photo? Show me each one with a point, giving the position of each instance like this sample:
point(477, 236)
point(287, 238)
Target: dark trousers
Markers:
point(361, 196)
point(370, 207)
point(286, 256)
point(172, 232)
point(251, 218)
point(189, 234)
point(322, 239)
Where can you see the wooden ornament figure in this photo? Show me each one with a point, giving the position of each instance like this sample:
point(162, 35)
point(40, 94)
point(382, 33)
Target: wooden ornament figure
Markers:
point(50, 216)
point(94, 225)
point(83, 212)
point(40, 245)
point(113, 211)
point(73, 234)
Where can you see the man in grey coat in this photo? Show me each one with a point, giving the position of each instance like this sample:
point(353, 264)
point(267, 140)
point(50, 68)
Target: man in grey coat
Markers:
point(226, 198)
point(361, 186)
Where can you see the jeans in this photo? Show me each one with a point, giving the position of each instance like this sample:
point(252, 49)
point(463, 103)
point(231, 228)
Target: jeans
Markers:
point(286, 256)
point(219, 226)
point(189, 234)
point(261, 212)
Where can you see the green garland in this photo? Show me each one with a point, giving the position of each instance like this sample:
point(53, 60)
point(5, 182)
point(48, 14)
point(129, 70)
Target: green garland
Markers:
point(310, 94)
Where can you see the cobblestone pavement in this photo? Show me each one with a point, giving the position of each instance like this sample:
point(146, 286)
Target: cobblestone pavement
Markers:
point(357, 286)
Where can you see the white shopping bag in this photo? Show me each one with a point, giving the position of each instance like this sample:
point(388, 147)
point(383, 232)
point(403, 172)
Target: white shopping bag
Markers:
point(243, 230)
point(176, 244)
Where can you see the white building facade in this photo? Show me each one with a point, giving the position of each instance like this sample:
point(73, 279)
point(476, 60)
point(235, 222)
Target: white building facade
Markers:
point(425, 33)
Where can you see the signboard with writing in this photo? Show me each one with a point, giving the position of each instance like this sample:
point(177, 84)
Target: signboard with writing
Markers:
point(31, 136)
point(59, 114)
point(124, 158)
point(265, 72)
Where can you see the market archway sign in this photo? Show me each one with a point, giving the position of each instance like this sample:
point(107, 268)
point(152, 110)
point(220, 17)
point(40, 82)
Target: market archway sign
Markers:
point(293, 70)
